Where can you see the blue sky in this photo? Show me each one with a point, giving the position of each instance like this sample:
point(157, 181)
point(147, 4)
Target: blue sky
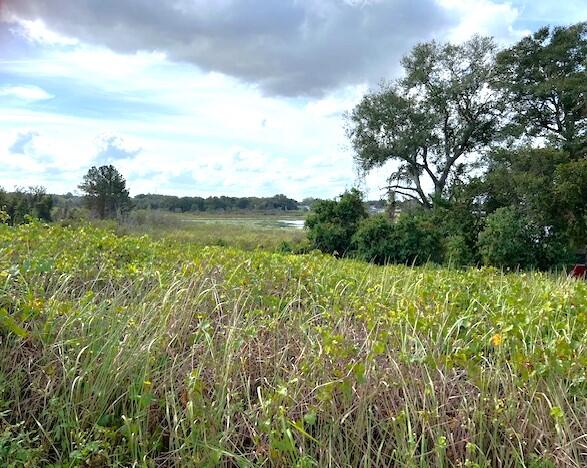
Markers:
point(234, 97)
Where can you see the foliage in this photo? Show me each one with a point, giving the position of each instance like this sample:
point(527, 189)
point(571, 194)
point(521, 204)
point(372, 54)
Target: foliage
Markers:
point(506, 240)
point(105, 192)
point(570, 193)
point(374, 240)
point(432, 120)
point(512, 240)
point(22, 204)
point(457, 251)
point(332, 223)
point(448, 109)
point(412, 239)
point(18, 447)
point(417, 240)
point(546, 185)
point(145, 353)
point(545, 78)
point(197, 204)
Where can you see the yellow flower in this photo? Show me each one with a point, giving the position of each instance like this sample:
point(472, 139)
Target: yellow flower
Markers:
point(496, 339)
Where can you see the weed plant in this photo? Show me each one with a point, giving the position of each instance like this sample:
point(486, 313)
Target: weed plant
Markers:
point(126, 351)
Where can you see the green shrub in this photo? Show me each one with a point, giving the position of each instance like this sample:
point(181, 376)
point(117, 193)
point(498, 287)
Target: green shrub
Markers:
point(457, 252)
point(506, 240)
point(417, 240)
point(21, 205)
point(374, 239)
point(412, 239)
point(333, 223)
point(513, 240)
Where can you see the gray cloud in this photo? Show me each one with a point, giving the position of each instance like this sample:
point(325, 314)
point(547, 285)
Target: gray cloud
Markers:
point(287, 47)
point(113, 148)
point(23, 140)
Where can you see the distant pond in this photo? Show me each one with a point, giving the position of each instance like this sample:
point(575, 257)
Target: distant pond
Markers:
point(258, 222)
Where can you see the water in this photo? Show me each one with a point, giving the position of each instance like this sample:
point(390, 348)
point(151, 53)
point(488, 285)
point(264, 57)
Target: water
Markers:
point(261, 222)
point(294, 223)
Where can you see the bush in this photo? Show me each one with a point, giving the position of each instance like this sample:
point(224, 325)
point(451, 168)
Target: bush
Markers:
point(374, 239)
point(332, 224)
point(457, 252)
point(418, 240)
point(506, 240)
point(412, 239)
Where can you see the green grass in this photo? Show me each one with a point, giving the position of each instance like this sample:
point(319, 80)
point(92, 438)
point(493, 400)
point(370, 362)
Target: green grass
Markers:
point(248, 231)
point(128, 351)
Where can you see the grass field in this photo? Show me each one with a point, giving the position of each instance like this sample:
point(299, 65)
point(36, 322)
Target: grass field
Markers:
point(249, 230)
point(133, 351)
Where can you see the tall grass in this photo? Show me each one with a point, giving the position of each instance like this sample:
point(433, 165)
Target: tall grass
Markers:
point(143, 353)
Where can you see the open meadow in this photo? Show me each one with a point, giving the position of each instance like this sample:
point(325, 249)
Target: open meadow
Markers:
point(133, 351)
point(248, 230)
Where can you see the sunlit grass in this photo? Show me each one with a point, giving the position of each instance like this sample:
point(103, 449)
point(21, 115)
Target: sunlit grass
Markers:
point(168, 353)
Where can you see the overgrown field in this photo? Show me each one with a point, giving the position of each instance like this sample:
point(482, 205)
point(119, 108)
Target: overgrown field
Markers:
point(247, 231)
point(124, 351)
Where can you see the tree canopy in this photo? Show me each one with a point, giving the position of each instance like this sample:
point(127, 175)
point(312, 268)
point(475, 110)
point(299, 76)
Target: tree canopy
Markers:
point(431, 121)
point(544, 79)
point(105, 191)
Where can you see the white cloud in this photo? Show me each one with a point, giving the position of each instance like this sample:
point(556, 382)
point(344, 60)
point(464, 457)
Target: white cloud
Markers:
point(484, 17)
point(23, 142)
point(36, 31)
point(25, 93)
point(171, 127)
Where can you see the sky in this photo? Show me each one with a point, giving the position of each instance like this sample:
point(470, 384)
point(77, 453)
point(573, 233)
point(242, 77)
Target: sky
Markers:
point(230, 97)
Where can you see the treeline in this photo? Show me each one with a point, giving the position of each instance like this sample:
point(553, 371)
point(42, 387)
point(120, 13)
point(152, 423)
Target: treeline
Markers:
point(18, 206)
point(100, 200)
point(490, 149)
point(217, 204)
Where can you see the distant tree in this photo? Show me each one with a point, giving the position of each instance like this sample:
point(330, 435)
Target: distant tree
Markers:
point(105, 191)
point(545, 79)
point(430, 121)
point(282, 202)
point(23, 203)
point(4, 216)
point(40, 203)
point(332, 223)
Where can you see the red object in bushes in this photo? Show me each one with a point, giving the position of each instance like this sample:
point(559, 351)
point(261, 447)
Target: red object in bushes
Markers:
point(579, 271)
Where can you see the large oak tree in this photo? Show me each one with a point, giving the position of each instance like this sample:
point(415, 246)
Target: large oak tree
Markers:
point(544, 77)
point(430, 122)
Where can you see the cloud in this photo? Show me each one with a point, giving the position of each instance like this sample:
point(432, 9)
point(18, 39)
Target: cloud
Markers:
point(113, 148)
point(25, 93)
point(483, 17)
point(22, 142)
point(36, 31)
point(287, 47)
